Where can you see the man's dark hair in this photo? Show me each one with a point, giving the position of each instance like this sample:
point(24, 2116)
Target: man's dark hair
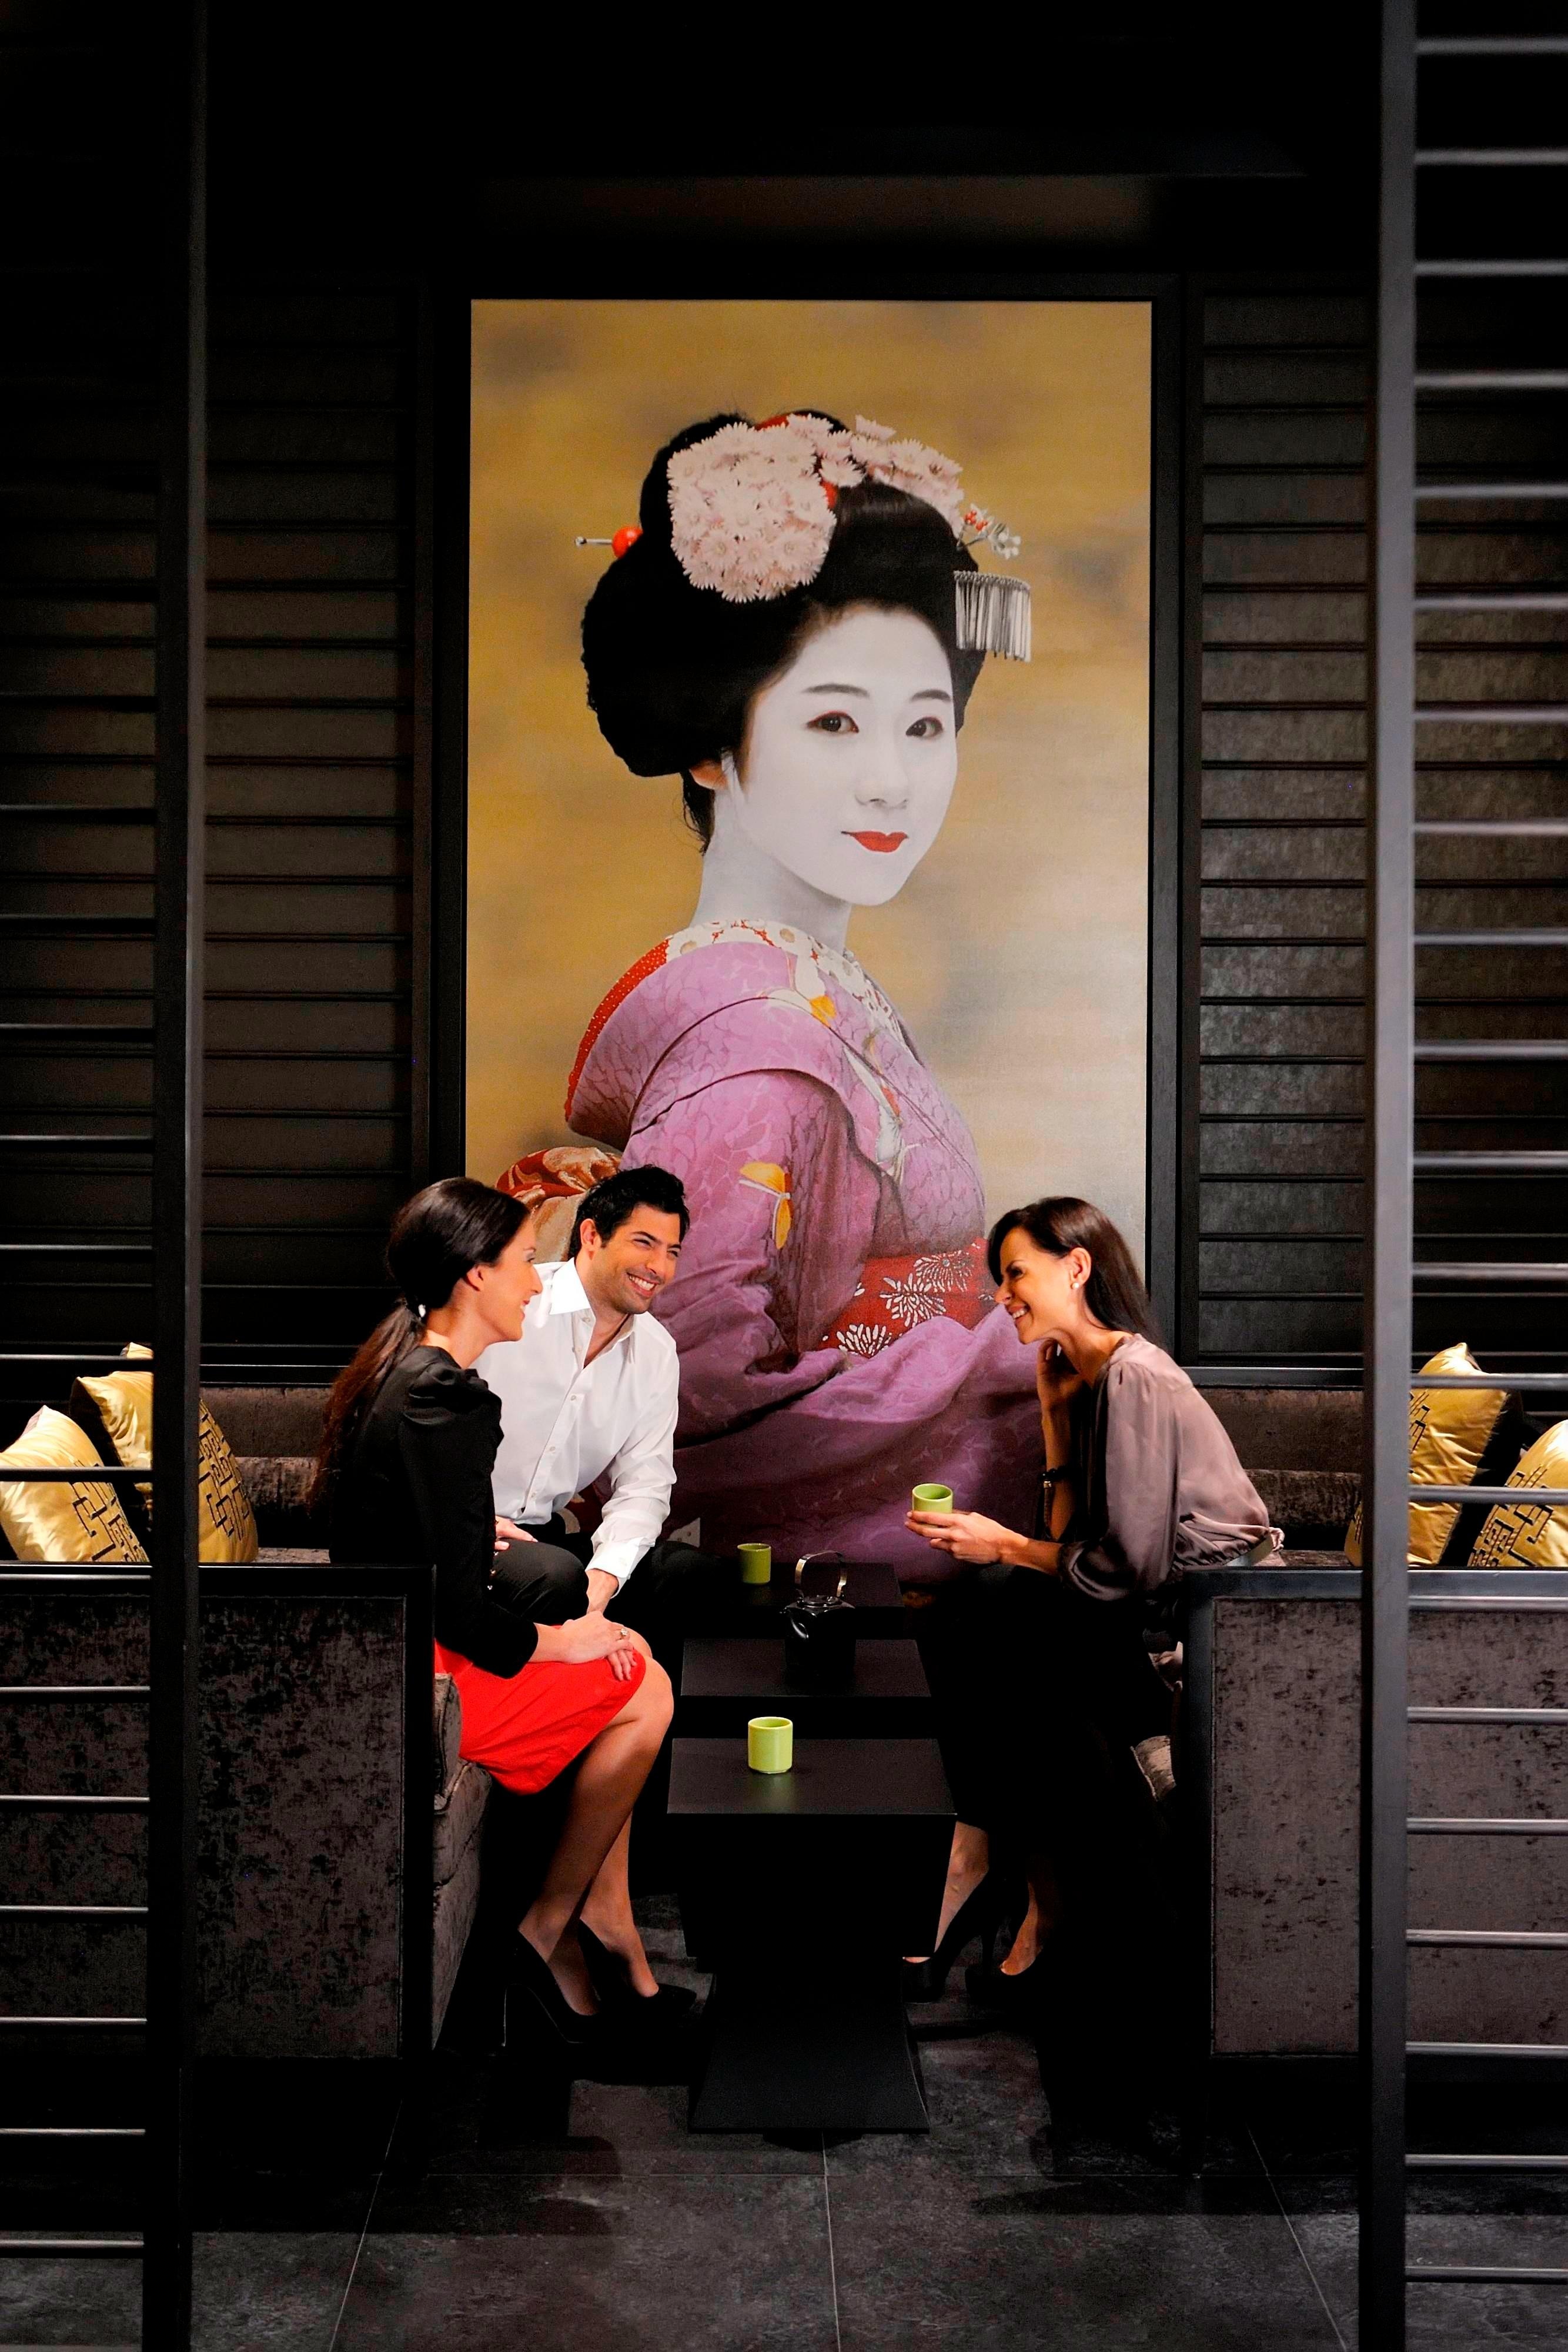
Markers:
point(619, 1197)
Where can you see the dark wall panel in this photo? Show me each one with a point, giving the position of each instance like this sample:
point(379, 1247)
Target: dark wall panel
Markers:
point(315, 872)
point(1275, 1245)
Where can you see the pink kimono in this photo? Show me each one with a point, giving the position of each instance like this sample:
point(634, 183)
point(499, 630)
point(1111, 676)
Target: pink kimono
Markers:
point(837, 1335)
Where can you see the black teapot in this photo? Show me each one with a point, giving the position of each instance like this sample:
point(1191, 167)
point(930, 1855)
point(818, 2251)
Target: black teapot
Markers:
point(820, 1632)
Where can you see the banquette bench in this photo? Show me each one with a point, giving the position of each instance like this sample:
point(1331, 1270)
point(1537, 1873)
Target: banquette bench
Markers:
point(317, 1769)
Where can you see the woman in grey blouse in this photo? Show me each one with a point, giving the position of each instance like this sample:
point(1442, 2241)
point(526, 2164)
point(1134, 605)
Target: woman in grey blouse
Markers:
point(1037, 1654)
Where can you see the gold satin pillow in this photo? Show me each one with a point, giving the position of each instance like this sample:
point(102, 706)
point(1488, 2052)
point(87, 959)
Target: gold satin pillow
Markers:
point(1450, 1432)
point(1530, 1535)
point(62, 1521)
point(124, 1404)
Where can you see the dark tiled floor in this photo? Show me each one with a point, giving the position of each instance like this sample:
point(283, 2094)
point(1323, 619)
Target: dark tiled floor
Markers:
point(989, 2235)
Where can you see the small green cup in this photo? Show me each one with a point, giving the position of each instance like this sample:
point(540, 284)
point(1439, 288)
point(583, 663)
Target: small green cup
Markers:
point(756, 1563)
point(931, 1498)
point(770, 1743)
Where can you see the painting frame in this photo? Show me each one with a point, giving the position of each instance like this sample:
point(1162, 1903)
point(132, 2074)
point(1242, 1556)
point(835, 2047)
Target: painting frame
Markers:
point(1173, 839)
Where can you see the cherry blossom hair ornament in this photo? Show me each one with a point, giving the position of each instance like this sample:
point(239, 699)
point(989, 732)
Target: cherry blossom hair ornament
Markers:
point(674, 665)
point(752, 509)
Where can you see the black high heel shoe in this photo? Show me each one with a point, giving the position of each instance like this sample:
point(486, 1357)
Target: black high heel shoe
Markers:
point(669, 2006)
point(979, 1914)
point(531, 1982)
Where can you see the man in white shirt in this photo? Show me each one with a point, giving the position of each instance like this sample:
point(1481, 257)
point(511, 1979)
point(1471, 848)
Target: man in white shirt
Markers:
point(590, 1390)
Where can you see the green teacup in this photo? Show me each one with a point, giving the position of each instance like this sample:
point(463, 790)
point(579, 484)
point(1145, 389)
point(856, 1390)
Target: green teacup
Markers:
point(931, 1498)
point(770, 1743)
point(755, 1562)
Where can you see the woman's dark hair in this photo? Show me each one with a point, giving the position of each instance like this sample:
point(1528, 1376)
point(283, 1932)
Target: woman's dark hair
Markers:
point(613, 1201)
point(437, 1238)
point(1115, 1293)
point(673, 670)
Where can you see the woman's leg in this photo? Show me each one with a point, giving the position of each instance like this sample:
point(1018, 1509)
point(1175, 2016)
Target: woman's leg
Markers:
point(607, 1910)
point(1039, 1921)
point(958, 1643)
point(968, 1859)
point(1124, 1690)
point(611, 1773)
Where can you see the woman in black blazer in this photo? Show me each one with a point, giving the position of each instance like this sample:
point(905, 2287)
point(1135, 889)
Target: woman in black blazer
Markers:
point(405, 1473)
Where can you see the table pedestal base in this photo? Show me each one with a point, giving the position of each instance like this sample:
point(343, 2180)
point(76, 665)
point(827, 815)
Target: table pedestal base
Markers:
point(783, 2053)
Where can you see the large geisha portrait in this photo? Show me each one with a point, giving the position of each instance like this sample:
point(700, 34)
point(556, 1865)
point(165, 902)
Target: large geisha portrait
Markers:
point(808, 790)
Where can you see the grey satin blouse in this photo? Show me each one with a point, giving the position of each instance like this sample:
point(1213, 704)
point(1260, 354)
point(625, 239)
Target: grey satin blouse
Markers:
point(1159, 1489)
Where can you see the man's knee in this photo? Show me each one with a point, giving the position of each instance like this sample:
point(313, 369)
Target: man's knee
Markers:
point(543, 1581)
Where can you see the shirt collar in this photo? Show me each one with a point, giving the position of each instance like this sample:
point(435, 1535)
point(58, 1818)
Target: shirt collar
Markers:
point(564, 1292)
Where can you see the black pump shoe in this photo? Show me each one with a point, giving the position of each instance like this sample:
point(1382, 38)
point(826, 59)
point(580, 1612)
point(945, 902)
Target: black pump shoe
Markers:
point(531, 1983)
point(979, 1914)
point(669, 2006)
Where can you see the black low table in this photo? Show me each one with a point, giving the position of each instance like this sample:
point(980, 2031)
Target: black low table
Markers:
point(804, 1888)
point(873, 1590)
point(725, 1682)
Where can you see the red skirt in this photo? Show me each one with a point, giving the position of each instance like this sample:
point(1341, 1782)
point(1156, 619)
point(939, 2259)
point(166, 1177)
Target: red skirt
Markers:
point(526, 1728)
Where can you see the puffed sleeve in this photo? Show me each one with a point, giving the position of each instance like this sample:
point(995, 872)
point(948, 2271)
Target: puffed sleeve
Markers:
point(1133, 1546)
point(447, 1438)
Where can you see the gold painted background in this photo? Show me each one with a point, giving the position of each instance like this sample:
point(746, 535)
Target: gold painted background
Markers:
point(1017, 951)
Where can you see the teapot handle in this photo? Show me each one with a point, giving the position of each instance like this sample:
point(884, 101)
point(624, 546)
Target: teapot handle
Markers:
point(805, 1560)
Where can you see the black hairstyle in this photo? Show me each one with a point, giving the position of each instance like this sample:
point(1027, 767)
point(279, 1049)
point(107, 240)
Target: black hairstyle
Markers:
point(1115, 1293)
point(617, 1198)
point(454, 1225)
point(673, 670)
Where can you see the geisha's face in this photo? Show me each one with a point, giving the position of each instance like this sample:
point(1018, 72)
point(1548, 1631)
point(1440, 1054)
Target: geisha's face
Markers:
point(849, 756)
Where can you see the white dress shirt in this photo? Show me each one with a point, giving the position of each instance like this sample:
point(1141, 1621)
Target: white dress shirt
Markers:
point(565, 1422)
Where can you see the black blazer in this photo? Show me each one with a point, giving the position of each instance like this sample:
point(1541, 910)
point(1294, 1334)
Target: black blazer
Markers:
point(415, 1487)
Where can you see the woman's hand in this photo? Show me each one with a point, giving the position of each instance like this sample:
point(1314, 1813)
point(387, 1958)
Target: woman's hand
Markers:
point(583, 1640)
point(506, 1533)
point(1056, 1380)
point(964, 1535)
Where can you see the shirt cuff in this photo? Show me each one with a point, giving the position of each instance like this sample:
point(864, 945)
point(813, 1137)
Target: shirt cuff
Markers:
point(617, 1560)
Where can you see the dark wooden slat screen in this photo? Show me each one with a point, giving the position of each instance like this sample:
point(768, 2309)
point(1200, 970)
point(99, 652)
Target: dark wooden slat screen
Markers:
point(316, 785)
point(312, 860)
point(1278, 1087)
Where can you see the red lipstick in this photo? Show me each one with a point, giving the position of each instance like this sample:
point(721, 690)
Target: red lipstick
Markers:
point(881, 841)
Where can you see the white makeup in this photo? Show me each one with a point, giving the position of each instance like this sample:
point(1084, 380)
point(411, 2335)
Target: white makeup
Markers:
point(844, 778)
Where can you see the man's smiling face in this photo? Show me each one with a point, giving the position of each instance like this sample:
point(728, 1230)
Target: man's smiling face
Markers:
point(624, 1273)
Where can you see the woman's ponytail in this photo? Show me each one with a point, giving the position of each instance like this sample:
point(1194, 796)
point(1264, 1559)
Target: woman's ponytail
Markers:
point(437, 1238)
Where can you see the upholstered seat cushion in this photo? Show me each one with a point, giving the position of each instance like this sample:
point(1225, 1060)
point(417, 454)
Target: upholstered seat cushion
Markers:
point(458, 1815)
point(277, 1482)
point(446, 1724)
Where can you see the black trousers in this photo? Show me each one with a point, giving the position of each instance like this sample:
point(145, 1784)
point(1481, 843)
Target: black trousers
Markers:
point(1040, 1693)
point(548, 1581)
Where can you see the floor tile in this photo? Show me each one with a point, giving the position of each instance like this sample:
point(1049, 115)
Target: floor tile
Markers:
point(255, 2292)
point(990, 2119)
point(645, 2265)
point(941, 2270)
point(1444, 2313)
point(57, 2303)
point(234, 2201)
point(485, 2120)
point(1440, 2193)
point(251, 2294)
